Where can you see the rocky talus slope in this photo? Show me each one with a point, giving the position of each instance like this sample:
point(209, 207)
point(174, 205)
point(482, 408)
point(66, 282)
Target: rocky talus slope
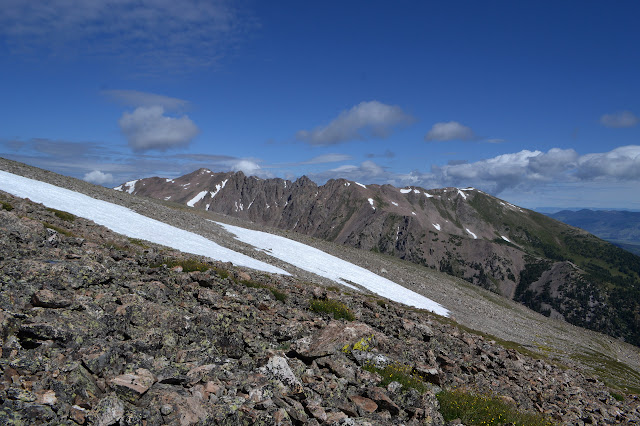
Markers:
point(552, 268)
point(100, 329)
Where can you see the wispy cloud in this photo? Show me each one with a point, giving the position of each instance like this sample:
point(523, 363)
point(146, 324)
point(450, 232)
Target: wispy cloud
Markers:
point(148, 128)
point(366, 120)
point(619, 119)
point(451, 130)
point(135, 98)
point(153, 33)
point(327, 158)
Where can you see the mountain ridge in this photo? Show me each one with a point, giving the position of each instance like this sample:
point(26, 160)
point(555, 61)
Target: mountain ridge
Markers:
point(518, 253)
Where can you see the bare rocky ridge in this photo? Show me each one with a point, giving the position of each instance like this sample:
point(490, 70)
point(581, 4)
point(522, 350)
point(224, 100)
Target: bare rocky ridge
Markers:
point(95, 330)
point(560, 271)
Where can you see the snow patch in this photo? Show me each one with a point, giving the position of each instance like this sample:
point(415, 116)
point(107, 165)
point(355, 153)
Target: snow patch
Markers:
point(436, 225)
point(416, 191)
point(167, 198)
point(360, 185)
point(371, 202)
point(219, 186)
point(405, 191)
point(127, 186)
point(194, 200)
point(125, 221)
point(505, 238)
point(428, 195)
point(394, 203)
point(413, 213)
point(475, 237)
point(328, 266)
point(462, 194)
point(170, 180)
point(347, 184)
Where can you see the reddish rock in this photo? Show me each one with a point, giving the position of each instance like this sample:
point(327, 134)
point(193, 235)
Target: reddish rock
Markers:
point(364, 404)
point(382, 399)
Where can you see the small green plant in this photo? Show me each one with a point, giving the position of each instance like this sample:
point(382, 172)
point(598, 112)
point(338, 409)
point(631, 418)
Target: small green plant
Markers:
point(58, 229)
point(6, 206)
point(617, 396)
point(253, 284)
point(337, 309)
point(280, 296)
point(188, 265)
point(398, 372)
point(222, 273)
point(68, 217)
point(484, 410)
point(138, 242)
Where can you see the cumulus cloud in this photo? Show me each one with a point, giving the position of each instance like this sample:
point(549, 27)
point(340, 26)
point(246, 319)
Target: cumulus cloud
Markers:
point(248, 167)
point(148, 128)
point(366, 120)
point(622, 163)
point(156, 34)
point(98, 177)
point(448, 131)
point(619, 119)
point(135, 98)
point(527, 169)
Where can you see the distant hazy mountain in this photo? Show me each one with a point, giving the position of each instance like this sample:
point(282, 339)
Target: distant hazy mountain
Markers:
point(619, 227)
point(547, 265)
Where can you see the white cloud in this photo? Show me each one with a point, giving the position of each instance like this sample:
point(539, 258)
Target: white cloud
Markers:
point(528, 169)
point(619, 119)
point(156, 34)
point(448, 131)
point(135, 98)
point(98, 177)
point(364, 121)
point(248, 167)
point(622, 163)
point(367, 171)
point(148, 128)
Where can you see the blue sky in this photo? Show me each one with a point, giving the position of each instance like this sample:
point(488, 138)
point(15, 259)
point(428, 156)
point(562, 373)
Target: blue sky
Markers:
point(535, 102)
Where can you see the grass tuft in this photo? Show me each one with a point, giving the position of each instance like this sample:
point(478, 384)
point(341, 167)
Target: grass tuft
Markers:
point(6, 206)
point(58, 229)
point(188, 265)
point(485, 410)
point(337, 309)
point(68, 217)
point(280, 296)
point(398, 372)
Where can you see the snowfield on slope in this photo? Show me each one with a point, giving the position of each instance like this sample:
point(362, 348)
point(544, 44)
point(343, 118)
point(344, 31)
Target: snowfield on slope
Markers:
point(336, 269)
point(125, 221)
